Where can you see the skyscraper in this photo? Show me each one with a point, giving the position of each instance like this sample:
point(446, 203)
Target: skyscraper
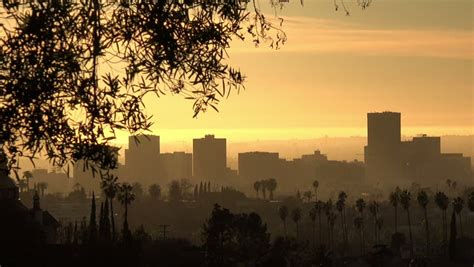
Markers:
point(209, 158)
point(382, 153)
point(141, 158)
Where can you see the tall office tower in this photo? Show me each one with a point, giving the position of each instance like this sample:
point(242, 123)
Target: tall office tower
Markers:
point(209, 158)
point(382, 153)
point(141, 159)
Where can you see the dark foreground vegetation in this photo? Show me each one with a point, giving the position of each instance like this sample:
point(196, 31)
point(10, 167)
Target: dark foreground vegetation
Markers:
point(412, 227)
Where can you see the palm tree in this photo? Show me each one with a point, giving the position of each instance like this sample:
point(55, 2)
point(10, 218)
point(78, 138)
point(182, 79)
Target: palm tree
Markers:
point(256, 186)
point(373, 209)
point(405, 198)
point(458, 205)
point(308, 195)
point(22, 185)
point(155, 191)
point(379, 224)
point(319, 207)
point(332, 221)
point(283, 212)
point(340, 205)
point(42, 186)
point(470, 201)
point(27, 175)
point(328, 207)
point(315, 188)
point(360, 206)
point(442, 201)
point(358, 223)
point(126, 196)
point(394, 200)
point(263, 187)
point(271, 186)
point(296, 215)
point(312, 215)
point(423, 201)
point(110, 186)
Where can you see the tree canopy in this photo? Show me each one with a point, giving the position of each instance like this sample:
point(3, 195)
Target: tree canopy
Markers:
point(73, 73)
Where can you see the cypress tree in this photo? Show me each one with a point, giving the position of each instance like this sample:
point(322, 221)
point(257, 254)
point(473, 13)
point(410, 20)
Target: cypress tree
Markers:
point(75, 236)
point(452, 237)
point(101, 221)
point(208, 187)
point(92, 223)
point(196, 192)
point(200, 189)
point(106, 222)
point(84, 231)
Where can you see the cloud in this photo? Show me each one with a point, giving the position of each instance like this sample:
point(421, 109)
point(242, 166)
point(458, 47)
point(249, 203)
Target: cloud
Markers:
point(308, 35)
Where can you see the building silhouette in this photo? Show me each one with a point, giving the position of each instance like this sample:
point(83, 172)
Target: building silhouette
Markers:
point(20, 225)
point(298, 173)
point(141, 159)
point(382, 153)
point(257, 165)
point(210, 158)
point(175, 166)
point(390, 161)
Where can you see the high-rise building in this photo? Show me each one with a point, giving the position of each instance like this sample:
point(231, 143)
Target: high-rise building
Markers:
point(389, 161)
point(382, 153)
point(209, 158)
point(141, 159)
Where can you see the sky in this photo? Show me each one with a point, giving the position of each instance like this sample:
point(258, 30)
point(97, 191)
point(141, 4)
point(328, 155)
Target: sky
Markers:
point(414, 57)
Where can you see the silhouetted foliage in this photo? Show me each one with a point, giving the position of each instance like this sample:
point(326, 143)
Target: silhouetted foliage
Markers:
point(51, 53)
point(230, 238)
point(442, 201)
point(155, 191)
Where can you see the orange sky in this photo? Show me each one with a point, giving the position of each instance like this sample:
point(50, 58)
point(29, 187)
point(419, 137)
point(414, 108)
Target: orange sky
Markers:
point(415, 57)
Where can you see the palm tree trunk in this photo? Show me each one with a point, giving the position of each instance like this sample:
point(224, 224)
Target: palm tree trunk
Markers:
point(112, 220)
point(396, 222)
point(346, 234)
point(411, 236)
point(342, 224)
point(460, 224)
point(320, 231)
point(126, 214)
point(427, 234)
point(314, 234)
point(297, 234)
